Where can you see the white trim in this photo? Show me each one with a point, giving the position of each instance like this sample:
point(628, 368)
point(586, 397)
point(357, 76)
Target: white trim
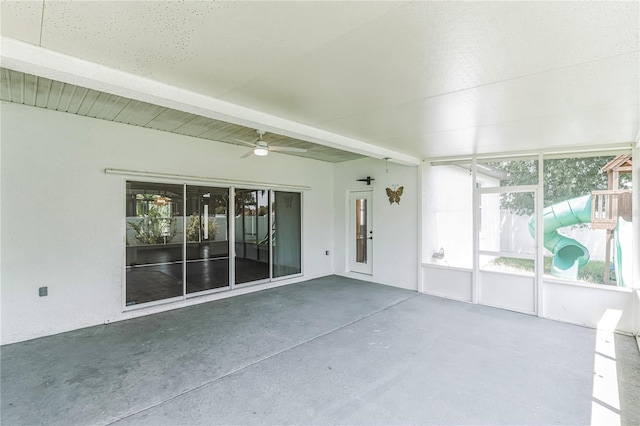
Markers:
point(206, 292)
point(577, 151)
point(614, 288)
point(507, 308)
point(211, 180)
point(454, 268)
point(270, 224)
point(153, 303)
point(252, 283)
point(580, 324)
point(36, 60)
point(507, 273)
point(475, 206)
point(530, 256)
point(184, 240)
point(231, 237)
point(140, 310)
point(303, 211)
point(430, 293)
point(420, 286)
point(506, 189)
point(539, 218)
point(123, 278)
point(287, 277)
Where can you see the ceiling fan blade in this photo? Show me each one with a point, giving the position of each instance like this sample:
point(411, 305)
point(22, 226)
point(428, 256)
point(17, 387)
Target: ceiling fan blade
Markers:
point(286, 149)
point(247, 154)
point(245, 142)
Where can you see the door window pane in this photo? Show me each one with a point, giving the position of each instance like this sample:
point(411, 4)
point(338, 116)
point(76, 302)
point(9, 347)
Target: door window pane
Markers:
point(361, 230)
point(154, 235)
point(287, 221)
point(207, 238)
point(252, 223)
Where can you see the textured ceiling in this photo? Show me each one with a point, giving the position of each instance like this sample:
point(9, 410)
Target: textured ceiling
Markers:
point(41, 92)
point(427, 79)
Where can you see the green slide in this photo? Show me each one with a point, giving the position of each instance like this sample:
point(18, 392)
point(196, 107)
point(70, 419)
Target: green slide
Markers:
point(568, 254)
point(622, 254)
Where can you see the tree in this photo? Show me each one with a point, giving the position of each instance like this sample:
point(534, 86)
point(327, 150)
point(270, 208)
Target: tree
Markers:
point(564, 178)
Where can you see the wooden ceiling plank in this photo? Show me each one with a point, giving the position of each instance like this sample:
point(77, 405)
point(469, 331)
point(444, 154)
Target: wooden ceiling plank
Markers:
point(93, 102)
point(48, 95)
point(62, 86)
point(71, 96)
point(86, 91)
point(7, 88)
point(125, 103)
point(115, 99)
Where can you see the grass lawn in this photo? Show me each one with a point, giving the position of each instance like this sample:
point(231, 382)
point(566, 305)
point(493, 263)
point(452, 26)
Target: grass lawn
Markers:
point(593, 271)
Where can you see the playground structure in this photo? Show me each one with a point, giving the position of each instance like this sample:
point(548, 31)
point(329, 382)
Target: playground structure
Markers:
point(611, 210)
point(608, 209)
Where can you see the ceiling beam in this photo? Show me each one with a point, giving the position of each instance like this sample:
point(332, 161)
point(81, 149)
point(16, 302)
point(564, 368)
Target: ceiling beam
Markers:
point(31, 59)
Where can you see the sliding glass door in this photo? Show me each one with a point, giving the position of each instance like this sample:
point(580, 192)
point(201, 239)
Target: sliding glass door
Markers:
point(252, 234)
point(179, 239)
point(154, 255)
point(287, 234)
point(207, 238)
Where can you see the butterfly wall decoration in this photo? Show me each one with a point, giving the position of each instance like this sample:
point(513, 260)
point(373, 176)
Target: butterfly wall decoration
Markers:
point(394, 195)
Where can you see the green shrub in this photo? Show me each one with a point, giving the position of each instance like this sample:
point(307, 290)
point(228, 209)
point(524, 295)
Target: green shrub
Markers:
point(193, 233)
point(153, 228)
point(593, 271)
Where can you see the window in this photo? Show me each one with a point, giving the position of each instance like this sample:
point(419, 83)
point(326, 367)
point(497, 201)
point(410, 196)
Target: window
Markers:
point(587, 219)
point(449, 216)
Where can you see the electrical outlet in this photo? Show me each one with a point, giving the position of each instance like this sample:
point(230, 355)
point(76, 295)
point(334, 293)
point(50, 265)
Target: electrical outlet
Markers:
point(43, 291)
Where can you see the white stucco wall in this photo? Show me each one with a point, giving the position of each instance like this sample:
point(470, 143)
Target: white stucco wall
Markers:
point(63, 217)
point(395, 227)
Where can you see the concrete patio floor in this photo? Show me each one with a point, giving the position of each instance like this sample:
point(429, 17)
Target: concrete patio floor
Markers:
point(326, 351)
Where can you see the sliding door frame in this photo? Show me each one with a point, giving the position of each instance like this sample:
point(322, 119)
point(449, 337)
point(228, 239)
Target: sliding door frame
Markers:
point(231, 228)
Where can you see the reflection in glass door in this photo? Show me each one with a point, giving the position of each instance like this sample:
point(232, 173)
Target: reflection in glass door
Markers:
point(207, 238)
point(287, 234)
point(252, 233)
point(507, 250)
point(154, 237)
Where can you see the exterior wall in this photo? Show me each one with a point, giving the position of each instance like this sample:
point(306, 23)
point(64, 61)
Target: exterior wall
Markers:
point(63, 218)
point(395, 227)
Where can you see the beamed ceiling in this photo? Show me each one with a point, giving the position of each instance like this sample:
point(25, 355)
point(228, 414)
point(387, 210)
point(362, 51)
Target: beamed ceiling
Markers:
point(400, 79)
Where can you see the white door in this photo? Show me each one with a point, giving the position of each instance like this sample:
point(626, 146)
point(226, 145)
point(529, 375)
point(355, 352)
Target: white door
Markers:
point(507, 255)
point(361, 232)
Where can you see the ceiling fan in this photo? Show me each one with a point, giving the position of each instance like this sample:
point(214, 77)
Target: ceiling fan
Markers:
point(261, 148)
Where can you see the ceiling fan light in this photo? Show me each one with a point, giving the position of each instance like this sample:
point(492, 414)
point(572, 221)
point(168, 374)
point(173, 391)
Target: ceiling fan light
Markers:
point(260, 151)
